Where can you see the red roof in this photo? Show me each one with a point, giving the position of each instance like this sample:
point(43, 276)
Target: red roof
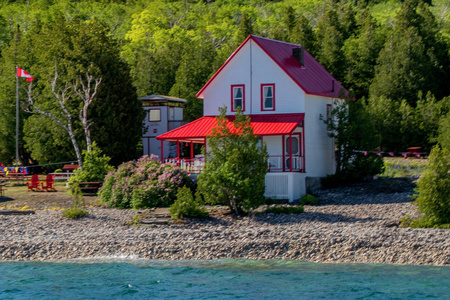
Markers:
point(311, 77)
point(262, 125)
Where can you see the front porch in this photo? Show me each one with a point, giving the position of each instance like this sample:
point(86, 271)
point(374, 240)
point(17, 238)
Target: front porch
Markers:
point(283, 136)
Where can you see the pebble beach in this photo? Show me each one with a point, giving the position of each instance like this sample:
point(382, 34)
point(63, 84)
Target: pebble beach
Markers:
point(351, 225)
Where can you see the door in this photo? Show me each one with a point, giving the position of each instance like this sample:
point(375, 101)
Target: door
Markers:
point(292, 152)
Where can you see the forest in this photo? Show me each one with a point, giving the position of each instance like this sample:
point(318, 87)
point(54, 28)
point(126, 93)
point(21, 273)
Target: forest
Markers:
point(393, 56)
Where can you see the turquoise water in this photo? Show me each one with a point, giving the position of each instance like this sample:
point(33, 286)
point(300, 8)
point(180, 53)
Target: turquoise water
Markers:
point(220, 279)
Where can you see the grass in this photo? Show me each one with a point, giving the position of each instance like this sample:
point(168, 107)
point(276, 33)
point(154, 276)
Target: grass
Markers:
point(401, 167)
point(18, 196)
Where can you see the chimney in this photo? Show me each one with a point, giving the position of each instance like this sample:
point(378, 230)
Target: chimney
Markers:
point(298, 54)
point(332, 85)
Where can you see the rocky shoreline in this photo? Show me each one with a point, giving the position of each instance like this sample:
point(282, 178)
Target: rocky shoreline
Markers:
point(355, 224)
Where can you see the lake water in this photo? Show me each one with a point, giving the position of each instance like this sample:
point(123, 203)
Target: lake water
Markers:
point(219, 279)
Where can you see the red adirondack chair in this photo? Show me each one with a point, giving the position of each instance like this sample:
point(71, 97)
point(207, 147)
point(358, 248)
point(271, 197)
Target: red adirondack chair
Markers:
point(48, 184)
point(33, 185)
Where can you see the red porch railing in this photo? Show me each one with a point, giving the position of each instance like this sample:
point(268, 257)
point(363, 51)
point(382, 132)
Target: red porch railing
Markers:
point(275, 163)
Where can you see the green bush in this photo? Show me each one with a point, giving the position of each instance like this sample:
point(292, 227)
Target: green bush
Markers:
point(144, 183)
point(358, 168)
point(78, 209)
point(434, 189)
point(185, 206)
point(278, 209)
point(309, 200)
point(235, 169)
point(95, 166)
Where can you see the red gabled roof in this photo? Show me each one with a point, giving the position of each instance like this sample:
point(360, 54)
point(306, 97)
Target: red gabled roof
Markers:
point(262, 125)
point(311, 77)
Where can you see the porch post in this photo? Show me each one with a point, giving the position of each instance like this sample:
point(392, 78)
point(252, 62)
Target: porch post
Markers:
point(162, 151)
point(192, 150)
point(178, 149)
point(283, 160)
point(290, 152)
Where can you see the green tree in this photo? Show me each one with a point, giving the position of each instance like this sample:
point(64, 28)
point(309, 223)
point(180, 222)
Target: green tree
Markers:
point(195, 67)
point(353, 130)
point(331, 40)
point(361, 51)
point(235, 167)
point(304, 35)
point(413, 58)
point(74, 48)
point(434, 190)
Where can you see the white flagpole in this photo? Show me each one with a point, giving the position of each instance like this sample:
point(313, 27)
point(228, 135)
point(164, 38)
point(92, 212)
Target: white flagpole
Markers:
point(17, 118)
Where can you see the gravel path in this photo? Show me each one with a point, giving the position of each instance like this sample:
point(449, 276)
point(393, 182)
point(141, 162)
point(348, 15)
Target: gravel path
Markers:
point(354, 224)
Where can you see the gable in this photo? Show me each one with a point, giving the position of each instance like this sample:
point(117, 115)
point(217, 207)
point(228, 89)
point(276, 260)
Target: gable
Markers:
point(311, 77)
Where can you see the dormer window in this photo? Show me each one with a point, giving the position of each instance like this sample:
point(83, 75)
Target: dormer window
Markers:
point(267, 96)
point(237, 97)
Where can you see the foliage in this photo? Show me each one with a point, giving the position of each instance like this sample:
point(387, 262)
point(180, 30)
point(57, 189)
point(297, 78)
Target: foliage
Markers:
point(95, 166)
point(379, 49)
point(281, 209)
point(434, 188)
point(78, 209)
point(400, 125)
point(308, 200)
point(236, 165)
point(143, 183)
point(185, 206)
point(352, 129)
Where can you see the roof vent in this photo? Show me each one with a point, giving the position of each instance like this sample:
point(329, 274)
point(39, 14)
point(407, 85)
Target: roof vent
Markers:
point(298, 54)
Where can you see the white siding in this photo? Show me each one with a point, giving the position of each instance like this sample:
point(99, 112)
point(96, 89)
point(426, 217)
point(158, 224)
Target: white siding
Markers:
point(290, 186)
point(319, 147)
point(253, 68)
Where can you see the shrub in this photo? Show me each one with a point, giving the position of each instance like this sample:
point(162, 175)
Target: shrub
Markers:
point(235, 169)
point(78, 209)
point(278, 209)
point(434, 188)
point(143, 184)
point(95, 166)
point(186, 206)
point(357, 169)
point(309, 200)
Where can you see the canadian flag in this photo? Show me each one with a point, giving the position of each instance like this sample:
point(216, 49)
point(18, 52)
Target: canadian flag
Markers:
point(22, 73)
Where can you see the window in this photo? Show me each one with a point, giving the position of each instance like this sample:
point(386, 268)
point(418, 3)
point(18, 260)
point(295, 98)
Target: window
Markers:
point(329, 116)
point(154, 115)
point(267, 96)
point(237, 97)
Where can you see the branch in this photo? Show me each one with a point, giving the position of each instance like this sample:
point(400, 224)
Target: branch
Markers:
point(38, 110)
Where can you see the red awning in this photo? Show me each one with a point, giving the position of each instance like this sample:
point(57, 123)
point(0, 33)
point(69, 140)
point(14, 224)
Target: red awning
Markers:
point(196, 131)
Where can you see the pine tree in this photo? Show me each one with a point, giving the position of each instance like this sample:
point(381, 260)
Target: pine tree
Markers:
point(304, 35)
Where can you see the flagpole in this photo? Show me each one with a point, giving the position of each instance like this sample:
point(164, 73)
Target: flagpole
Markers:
point(17, 118)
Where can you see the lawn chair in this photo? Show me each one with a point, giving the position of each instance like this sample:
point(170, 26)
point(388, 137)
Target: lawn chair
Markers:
point(48, 184)
point(33, 185)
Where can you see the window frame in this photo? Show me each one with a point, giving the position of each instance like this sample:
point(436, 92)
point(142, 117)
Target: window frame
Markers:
point(263, 108)
point(233, 99)
point(148, 118)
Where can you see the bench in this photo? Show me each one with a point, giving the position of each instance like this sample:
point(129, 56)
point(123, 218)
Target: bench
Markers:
point(12, 176)
point(88, 187)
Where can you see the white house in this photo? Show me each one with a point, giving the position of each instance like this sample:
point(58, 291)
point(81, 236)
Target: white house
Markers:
point(287, 94)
